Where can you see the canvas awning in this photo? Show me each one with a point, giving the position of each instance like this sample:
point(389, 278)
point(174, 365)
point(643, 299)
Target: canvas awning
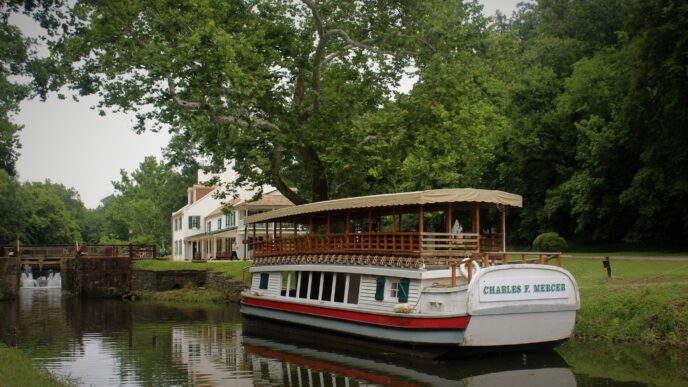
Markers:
point(454, 195)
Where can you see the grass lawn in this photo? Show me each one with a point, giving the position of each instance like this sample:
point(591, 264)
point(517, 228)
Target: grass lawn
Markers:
point(184, 296)
point(16, 370)
point(231, 269)
point(646, 300)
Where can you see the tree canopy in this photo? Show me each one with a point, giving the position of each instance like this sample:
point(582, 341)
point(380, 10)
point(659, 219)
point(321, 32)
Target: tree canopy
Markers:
point(276, 86)
point(578, 105)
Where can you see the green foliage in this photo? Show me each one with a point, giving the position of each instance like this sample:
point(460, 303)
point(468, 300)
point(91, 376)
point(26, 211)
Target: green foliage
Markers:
point(299, 94)
point(549, 241)
point(140, 211)
point(596, 111)
point(38, 213)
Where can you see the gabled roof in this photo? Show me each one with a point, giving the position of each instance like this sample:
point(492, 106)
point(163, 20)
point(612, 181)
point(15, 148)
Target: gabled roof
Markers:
point(453, 195)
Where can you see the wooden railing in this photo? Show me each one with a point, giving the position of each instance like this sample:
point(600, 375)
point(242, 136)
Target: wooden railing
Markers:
point(29, 254)
point(409, 244)
point(448, 245)
point(122, 251)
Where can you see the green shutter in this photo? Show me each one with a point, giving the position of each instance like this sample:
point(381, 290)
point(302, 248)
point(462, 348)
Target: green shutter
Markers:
point(380, 289)
point(264, 277)
point(190, 222)
point(404, 289)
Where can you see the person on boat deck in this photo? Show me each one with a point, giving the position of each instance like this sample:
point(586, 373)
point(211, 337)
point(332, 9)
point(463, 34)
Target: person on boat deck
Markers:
point(457, 229)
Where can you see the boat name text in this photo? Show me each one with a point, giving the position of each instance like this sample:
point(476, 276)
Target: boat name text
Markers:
point(513, 289)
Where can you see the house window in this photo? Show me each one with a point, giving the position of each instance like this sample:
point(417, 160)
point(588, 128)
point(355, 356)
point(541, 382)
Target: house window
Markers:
point(219, 223)
point(230, 220)
point(208, 226)
point(194, 222)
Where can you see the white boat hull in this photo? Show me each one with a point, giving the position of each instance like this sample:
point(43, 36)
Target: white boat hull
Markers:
point(503, 307)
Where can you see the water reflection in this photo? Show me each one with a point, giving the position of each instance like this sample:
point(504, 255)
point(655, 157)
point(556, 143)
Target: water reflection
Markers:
point(115, 343)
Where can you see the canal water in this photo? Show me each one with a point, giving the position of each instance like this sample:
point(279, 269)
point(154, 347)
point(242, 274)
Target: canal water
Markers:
point(119, 343)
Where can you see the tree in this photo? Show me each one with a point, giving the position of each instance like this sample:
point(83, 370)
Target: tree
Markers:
point(12, 208)
point(275, 86)
point(17, 59)
point(143, 203)
point(48, 220)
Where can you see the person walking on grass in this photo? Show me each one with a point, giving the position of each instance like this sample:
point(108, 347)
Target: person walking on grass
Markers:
point(607, 265)
point(235, 248)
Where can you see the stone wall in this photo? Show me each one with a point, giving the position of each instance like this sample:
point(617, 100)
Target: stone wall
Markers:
point(167, 279)
point(102, 277)
point(176, 279)
point(9, 277)
point(229, 287)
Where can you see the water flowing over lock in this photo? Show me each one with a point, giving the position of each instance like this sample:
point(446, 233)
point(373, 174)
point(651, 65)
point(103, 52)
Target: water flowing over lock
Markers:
point(53, 280)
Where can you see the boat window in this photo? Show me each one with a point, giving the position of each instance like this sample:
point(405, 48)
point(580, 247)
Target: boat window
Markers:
point(289, 284)
point(340, 287)
point(264, 280)
point(315, 285)
point(393, 289)
point(327, 286)
point(303, 283)
point(354, 284)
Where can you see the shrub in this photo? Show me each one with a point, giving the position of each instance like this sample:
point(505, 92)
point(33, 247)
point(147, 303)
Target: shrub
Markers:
point(549, 241)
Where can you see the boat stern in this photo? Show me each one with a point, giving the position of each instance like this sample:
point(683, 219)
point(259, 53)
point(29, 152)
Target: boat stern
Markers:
point(521, 305)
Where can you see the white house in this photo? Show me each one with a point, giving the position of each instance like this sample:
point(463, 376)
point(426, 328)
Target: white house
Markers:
point(207, 228)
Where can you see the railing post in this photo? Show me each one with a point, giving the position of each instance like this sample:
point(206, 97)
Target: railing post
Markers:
point(469, 269)
point(559, 259)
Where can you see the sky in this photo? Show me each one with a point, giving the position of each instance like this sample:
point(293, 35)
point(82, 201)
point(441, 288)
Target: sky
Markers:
point(69, 143)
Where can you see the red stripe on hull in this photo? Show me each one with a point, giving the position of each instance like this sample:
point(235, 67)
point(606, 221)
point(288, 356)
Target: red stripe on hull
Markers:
point(360, 317)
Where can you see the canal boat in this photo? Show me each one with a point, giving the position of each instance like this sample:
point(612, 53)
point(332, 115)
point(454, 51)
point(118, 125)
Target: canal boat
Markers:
point(421, 270)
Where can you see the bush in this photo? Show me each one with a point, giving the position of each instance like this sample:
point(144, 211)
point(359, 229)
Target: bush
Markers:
point(549, 241)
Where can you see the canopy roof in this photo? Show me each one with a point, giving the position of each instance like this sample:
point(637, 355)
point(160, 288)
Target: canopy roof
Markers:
point(454, 195)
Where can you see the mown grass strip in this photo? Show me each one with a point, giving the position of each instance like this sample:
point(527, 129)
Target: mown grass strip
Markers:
point(231, 269)
point(16, 370)
point(183, 296)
